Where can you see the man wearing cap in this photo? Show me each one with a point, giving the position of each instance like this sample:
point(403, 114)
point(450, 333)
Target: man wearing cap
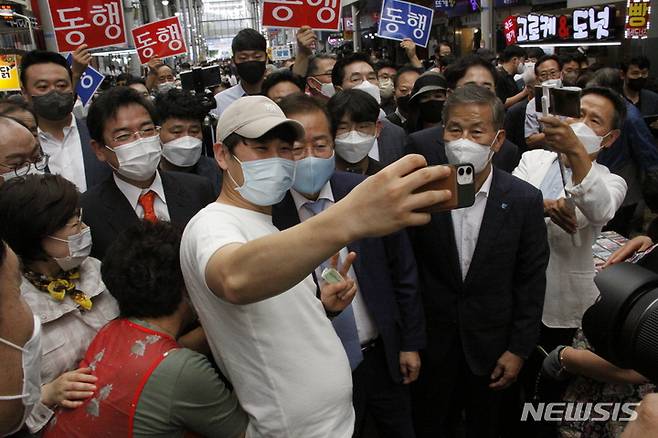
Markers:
point(426, 102)
point(252, 285)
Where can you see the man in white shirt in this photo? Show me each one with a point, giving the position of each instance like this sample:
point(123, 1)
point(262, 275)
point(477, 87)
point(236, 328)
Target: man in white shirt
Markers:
point(125, 138)
point(250, 57)
point(252, 285)
point(573, 224)
point(46, 83)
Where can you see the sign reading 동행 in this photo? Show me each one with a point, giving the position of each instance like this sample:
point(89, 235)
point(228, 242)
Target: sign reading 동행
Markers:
point(162, 39)
point(399, 20)
point(318, 14)
point(89, 82)
point(97, 23)
point(588, 24)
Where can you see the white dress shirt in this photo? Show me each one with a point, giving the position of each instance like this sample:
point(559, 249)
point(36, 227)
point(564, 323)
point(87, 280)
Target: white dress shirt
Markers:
point(365, 325)
point(227, 97)
point(66, 155)
point(374, 151)
point(133, 193)
point(467, 222)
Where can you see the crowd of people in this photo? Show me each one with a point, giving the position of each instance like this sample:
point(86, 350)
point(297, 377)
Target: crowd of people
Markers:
point(276, 272)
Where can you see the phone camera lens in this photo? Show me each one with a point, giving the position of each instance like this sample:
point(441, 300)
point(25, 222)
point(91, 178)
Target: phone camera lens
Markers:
point(468, 171)
point(461, 171)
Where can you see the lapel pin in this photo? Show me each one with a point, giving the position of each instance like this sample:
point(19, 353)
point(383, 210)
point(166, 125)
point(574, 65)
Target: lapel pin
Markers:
point(503, 206)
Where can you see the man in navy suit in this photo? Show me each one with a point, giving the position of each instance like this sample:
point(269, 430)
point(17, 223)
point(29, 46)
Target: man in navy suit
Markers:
point(482, 272)
point(383, 329)
point(125, 138)
point(48, 86)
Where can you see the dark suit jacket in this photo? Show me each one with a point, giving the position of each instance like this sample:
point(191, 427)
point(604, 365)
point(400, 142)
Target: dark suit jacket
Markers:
point(95, 171)
point(391, 143)
point(107, 211)
point(506, 159)
point(498, 306)
point(386, 271)
point(515, 125)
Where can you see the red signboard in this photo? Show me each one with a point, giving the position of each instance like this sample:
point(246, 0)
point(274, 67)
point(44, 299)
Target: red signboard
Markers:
point(510, 30)
point(638, 16)
point(160, 39)
point(97, 23)
point(318, 14)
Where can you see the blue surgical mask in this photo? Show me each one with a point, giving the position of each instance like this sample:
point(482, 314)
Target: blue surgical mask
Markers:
point(312, 173)
point(265, 181)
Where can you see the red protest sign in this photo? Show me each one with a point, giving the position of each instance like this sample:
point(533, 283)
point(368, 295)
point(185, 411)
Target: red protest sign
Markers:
point(160, 39)
point(97, 23)
point(318, 14)
point(510, 29)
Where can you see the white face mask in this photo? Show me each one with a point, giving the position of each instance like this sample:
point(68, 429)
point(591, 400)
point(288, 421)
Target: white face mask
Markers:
point(464, 150)
point(520, 68)
point(31, 363)
point(327, 89)
point(587, 137)
point(183, 151)
point(386, 88)
point(79, 249)
point(265, 181)
point(371, 89)
point(139, 159)
point(353, 146)
point(31, 171)
point(165, 87)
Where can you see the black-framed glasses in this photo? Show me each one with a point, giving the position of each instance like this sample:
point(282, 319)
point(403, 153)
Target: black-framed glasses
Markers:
point(40, 163)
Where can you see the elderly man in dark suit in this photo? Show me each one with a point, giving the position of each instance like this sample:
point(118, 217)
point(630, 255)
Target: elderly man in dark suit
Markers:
point(383, 329)
point(124, 137)
point(482, 272)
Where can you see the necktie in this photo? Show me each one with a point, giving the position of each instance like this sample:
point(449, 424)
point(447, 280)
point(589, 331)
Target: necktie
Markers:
point(345, 323)
point(146, 201)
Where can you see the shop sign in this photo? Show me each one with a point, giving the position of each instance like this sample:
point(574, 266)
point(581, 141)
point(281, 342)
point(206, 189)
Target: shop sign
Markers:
point(638, 19)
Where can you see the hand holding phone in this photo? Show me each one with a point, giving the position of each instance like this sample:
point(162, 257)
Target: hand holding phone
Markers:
point(460, 183)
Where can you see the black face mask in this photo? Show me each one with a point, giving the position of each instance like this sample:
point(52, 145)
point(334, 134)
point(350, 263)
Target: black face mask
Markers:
point(637, 84)
point(53, 105)
point(251, 71)
point(430, 111)
point(403, 104)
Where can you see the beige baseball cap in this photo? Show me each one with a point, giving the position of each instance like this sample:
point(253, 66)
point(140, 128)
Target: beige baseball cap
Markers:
point(253, 117)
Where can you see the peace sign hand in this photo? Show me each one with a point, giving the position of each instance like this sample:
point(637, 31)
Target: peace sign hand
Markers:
point(336, 297)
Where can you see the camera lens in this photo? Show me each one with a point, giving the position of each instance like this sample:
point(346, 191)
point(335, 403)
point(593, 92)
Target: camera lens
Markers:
point(461, 171)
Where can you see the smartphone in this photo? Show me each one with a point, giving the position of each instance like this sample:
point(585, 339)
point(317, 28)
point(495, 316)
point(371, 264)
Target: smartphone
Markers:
point(564, 101)
point(460, 182)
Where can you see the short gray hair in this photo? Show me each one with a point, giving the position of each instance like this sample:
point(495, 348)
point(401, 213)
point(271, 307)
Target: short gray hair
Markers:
point(474, 94)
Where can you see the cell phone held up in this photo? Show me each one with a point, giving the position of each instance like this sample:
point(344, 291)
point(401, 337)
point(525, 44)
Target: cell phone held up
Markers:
point(564, 101)
point(460, 183)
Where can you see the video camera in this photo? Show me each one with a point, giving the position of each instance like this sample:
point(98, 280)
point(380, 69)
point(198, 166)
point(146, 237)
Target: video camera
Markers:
point(622, 325)
point(200, 80)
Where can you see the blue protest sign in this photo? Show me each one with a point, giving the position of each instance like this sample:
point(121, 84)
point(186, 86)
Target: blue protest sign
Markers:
point(89, 82)
point(399, 20)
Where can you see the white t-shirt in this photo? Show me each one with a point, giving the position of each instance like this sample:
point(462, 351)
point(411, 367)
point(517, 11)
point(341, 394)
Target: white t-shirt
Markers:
point(288, 367)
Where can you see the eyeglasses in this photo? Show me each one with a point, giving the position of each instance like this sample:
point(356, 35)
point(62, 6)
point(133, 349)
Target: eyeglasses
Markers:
point(40, 163)
point(299, 152)
point(552, 74)
point(142, 133)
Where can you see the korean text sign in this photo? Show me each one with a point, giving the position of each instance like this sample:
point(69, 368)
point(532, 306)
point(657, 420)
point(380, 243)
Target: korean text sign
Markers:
point(318, 14)
point(590, 24)
point(400, 20)
point(9, 72)
point(638, 19)
point(97, 23)
point(89, 82)
point(160, 39)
